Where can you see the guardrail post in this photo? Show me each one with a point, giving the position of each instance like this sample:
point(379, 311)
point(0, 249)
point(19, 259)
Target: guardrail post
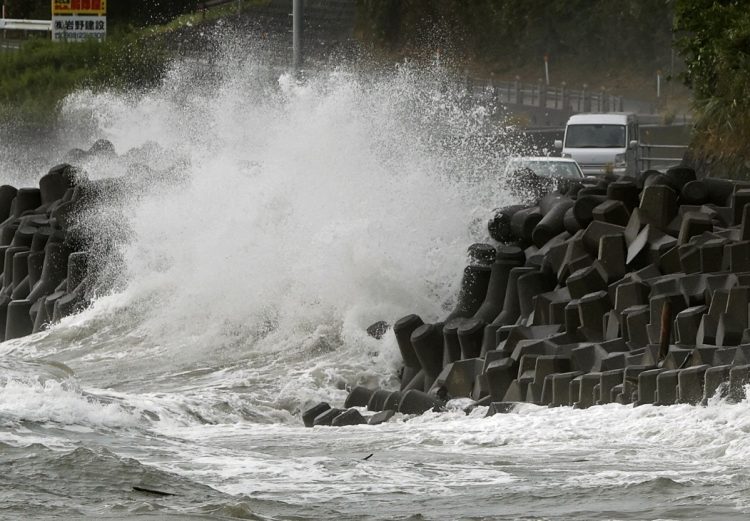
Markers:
point(517, 92)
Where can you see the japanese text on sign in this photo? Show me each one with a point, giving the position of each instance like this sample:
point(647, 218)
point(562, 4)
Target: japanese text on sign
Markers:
point(79, 28)
point(66, 7)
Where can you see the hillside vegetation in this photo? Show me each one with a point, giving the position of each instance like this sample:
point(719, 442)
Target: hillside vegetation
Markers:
point(714, 38)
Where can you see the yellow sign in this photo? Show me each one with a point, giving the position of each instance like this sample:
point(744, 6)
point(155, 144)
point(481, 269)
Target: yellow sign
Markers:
point(79, 7)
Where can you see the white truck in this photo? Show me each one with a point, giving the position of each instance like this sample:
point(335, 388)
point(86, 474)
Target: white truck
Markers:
point(602, 143)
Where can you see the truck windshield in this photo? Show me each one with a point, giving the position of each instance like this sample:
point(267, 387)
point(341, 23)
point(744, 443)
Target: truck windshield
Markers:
point(595, 136)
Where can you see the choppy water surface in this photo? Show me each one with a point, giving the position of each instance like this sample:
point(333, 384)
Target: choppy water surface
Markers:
point(284, 219)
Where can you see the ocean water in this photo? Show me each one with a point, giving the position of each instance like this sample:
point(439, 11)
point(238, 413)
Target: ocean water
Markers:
point(270, 222)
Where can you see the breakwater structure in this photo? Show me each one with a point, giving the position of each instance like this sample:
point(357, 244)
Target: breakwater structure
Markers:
point(47, 258)
point(612, 290)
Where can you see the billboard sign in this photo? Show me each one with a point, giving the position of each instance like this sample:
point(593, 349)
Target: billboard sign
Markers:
point(79, 7)
point(79, 20)
point(79, 28)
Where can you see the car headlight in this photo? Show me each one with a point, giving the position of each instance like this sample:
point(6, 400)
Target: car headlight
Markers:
point(620, 160)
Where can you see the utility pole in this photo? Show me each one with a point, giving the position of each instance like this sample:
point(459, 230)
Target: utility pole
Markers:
point(297, 14)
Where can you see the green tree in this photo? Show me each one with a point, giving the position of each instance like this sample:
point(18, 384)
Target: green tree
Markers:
point(714, 40)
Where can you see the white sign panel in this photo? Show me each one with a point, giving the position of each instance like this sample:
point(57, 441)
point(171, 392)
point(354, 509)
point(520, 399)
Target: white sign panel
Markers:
point(79, 28)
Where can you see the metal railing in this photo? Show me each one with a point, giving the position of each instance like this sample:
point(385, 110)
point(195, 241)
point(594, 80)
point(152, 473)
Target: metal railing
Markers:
point(10, 24)
point(668, 155)
point(548, 96)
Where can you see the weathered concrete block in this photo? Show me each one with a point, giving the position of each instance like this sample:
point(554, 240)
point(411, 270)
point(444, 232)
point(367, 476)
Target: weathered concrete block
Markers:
point(308, 417)
point(529, 286)
point(516, 392)
point(647, 386)
point(612, 325)
point(587, 358)
point(687, 323)
point(658, 205)
point(613, 361)
point(690, 258)
point(451, 344)
point(591, 308)
point(611, 257)
point(470, 336)
point(499, 224)
point(511, 308)
point(18, 322)
point(460, 379)
point(348, 418)
point(666, 387)
point(694, 192)
point(474, 285)
point(711, 253)
point(381, 417)
point(417, 402)
point(586, 390)
point(739, 378)
point(707, 330)
point(636, 320)
point(572, 317)
point(585, 281)
point(549, 364)
point(552, 223)
point(716, 382)
point(499, 375)
point(740, 198)
point(391, 403)
point(595, 231)
point(669, 261)
point(694, 224)
point(612, 212)
point(326, 417)
point(583, 209)
point(561, 382)
point(729, 330)
point(638, 252)
point(607, 380)
point(377, 400)
point(524, 221)
point(427, 341)
point(535, 393)
point(631, 294)
point(624, 190)
point(690, 384)
point(403, 328)
point(358, 397)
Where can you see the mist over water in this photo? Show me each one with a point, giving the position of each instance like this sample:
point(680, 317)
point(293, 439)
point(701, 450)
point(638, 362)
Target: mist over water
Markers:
point(268, 222)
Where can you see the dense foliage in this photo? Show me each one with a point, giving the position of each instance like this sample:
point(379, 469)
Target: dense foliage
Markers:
point(714, 38)
point(636, 32)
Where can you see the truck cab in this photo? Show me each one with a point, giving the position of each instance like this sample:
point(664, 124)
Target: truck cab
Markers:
point(602, 143)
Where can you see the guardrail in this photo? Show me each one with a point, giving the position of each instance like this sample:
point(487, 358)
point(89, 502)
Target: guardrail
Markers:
point(647, 161)
point(10, 24)
point(552, 97)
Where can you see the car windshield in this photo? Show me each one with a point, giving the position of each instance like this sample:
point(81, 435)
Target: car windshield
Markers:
point(595, 136)
point(548, 169)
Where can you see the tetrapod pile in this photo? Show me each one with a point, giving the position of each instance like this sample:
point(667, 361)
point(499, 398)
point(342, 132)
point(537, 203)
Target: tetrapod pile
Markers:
point(626, 290)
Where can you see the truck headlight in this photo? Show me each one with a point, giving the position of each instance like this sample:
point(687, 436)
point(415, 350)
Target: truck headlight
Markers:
point(620, 160)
